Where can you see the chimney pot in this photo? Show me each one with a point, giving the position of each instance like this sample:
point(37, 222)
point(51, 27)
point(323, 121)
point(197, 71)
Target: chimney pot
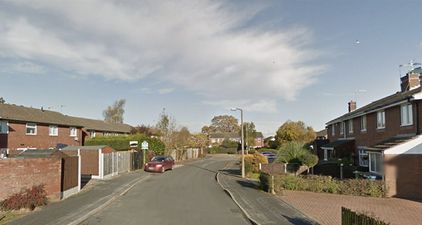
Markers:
point(352, 106)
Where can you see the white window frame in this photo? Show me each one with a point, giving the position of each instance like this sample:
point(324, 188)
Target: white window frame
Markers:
point(406, 115)
point(381, 120)
point(350, 126)
point(371, 157)
point(53, 130)
point(73, 131)
point(363, 162)
point(342, 125)
point(363, 123)
point(4, 127)
point(92, 133)
point(31, 125)
point(333, 130)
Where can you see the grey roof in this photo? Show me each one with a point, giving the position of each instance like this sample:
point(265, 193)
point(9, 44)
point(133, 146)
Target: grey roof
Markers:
point(321, 133)
point(45, 153)
point(338, 143)
point(225, 135)
point(92, 147)
point(27, 114)
point(395, 98)
point(100, 125)
point(391, 142)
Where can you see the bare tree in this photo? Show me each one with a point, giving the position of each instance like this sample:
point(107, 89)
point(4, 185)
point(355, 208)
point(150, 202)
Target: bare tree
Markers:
point(167, 127)
point(114, 113)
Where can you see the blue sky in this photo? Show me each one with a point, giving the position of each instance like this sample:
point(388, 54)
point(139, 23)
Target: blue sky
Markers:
point(278, 60)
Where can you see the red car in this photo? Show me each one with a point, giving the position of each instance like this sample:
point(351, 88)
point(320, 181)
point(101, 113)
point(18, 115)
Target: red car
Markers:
point(159, 164)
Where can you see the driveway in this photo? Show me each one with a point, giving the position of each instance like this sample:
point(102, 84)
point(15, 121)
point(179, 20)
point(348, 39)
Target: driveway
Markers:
point(326, 208)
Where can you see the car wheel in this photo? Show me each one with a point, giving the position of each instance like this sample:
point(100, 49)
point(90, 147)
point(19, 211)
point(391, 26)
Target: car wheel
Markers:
point(163, 169)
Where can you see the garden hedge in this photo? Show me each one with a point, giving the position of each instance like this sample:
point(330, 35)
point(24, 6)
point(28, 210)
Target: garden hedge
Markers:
point(121, 143)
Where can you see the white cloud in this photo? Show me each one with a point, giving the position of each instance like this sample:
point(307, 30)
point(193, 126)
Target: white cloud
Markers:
point(164, 91)
point(262, 106)
point(202, 46)
point(23, 67)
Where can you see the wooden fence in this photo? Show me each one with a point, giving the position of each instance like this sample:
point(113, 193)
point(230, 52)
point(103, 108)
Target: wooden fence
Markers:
point(348, 217)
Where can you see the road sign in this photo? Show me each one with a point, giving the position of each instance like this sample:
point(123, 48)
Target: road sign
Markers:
point(144, 145)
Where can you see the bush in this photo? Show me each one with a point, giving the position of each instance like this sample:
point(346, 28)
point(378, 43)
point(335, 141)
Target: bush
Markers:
point(325, 184)
point(229, 144)
point(29, 198)
point(252, 162)
point(268, 150)
point(121, 143)
point(294, 152)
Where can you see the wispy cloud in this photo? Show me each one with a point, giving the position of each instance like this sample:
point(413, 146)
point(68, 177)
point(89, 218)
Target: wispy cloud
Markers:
point(202, 46)
point(262, 106)
point(164, 91)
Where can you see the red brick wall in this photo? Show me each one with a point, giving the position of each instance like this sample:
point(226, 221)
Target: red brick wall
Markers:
point(17, 174)
point(373, 135)
point(403, 176)
point(17, 137)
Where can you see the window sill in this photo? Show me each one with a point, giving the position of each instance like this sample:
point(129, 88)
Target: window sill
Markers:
point(406, 125)
point(53, 135)
point(31, 134)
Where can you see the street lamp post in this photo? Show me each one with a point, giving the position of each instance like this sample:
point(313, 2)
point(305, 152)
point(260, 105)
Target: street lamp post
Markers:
point(242, 139)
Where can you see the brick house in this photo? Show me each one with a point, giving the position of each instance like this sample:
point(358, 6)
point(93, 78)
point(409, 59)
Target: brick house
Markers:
point(259, 140)
point(384, 138)
point(218, 138)
point(99, 128)
point(23, 128)
point(29, 128)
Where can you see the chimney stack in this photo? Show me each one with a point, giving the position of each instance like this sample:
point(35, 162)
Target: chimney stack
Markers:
point(410, 81)
point(352, 106)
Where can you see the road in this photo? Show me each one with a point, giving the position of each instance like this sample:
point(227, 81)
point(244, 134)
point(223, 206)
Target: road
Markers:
point(187, 195)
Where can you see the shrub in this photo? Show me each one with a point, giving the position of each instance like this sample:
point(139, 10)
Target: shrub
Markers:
point(268, 150)
point(326, 184)
point(29, 198)
point(121, 143)
point(229, 144)
point(252, 161)
point(294, 152)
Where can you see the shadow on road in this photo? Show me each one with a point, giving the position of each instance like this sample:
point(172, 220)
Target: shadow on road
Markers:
point(299, 221)
point(248, 184)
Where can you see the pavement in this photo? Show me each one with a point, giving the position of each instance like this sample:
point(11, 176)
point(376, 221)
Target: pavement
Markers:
point(78, 207)
point(260, 207)
point(326, 208)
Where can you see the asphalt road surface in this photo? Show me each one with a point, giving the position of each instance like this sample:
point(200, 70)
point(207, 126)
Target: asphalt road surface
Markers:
point(188, 195)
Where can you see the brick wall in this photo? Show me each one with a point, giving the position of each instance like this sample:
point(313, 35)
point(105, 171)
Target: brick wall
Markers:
point(403, 176)
point(17, 137)
point(373, 135)
point(17, 174)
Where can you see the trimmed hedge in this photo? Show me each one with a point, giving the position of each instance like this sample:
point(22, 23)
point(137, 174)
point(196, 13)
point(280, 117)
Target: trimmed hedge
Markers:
point(324, 184)
point(121, 143)
point(221, 150)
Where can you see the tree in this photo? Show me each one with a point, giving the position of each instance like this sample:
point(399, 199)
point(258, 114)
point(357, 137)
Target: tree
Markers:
point(114, 113)
point(2, 101)
point(223, 124)
point(145, 130)
point(250, 133)
point(296, 132)
point(166, 125)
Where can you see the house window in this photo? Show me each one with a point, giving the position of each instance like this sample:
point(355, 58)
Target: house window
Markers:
point(363, 158)
point(406, 115)
point(92, 133)
point(363, 123)
point(375, 162)
point(381, 119)
point(333, 130)
point(53, 130)
point(4, 127)
point(341, 128)
point(350, 125)
point(31, 129)
point(73, 131)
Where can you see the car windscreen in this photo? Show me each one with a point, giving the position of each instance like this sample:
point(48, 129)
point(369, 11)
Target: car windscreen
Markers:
point(158, 159)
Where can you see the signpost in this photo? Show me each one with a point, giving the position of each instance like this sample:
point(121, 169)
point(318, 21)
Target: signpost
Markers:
point(144, 147)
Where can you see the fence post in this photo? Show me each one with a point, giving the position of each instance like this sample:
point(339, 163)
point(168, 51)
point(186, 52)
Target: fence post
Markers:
point(101, 164)
point(79, 170)
point(272, 185)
